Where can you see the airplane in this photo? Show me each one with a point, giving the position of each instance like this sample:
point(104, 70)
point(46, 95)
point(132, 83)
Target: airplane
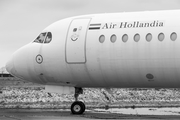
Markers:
point(110, 50)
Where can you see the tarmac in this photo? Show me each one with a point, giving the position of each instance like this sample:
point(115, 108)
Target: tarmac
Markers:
point(59, 114)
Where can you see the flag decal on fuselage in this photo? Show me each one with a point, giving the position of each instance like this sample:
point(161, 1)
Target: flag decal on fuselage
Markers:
point(94, 26)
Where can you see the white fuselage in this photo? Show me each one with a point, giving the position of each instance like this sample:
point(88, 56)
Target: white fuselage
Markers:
point(138, 49)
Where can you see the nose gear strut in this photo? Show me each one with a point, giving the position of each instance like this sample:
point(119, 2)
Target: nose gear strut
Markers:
point(78, 107)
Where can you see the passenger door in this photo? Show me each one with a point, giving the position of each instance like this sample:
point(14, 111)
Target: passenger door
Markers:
point(76, 41)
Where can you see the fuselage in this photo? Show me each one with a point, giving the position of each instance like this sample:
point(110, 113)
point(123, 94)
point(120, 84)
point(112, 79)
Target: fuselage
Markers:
point(115, 50)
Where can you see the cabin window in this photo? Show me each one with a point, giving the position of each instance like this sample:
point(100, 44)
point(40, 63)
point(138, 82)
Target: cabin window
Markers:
point(48, 37)
point(149, 37)
point(161, 37)
point(136, 37)
point(173, 36)
point(113, 38)
point(101, 38)
point(40, 38)
point(125, 38)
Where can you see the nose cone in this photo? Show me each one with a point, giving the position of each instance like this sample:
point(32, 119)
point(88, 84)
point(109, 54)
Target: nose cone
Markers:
point(17, 63)
point(10, 66)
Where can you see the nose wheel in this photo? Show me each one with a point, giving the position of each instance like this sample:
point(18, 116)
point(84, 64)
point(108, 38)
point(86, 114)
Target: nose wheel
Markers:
point(78, 107)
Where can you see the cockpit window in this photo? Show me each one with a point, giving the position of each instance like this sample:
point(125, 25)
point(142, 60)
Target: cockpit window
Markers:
point(44, 37)
point(48, 37)
point(40, 38)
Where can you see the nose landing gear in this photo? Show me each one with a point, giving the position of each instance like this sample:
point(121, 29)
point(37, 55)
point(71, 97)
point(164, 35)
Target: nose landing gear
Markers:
point(78, 107)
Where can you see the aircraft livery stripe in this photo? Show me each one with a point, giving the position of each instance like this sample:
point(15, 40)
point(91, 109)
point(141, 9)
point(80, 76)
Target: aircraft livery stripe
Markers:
point(95, 26)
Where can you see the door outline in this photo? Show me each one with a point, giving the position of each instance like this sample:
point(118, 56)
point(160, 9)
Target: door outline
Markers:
point(85, 60)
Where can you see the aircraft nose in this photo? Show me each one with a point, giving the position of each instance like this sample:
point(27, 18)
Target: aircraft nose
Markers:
point(18, 63)
point(10, 66)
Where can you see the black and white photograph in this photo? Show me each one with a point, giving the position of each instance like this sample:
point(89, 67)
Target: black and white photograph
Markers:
point(89, 59)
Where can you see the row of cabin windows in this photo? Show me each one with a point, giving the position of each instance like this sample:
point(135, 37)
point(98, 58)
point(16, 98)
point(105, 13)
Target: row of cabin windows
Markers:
point(137, 37)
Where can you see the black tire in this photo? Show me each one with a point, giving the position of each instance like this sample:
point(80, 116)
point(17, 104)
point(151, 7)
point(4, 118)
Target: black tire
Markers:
point(84, 107)
point(78, 108)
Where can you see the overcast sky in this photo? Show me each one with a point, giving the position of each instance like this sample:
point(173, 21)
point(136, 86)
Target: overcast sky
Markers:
point(22, 20)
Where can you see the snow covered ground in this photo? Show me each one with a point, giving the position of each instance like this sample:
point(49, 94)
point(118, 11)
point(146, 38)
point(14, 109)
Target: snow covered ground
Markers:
point(13, 95)
point(142, 111)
